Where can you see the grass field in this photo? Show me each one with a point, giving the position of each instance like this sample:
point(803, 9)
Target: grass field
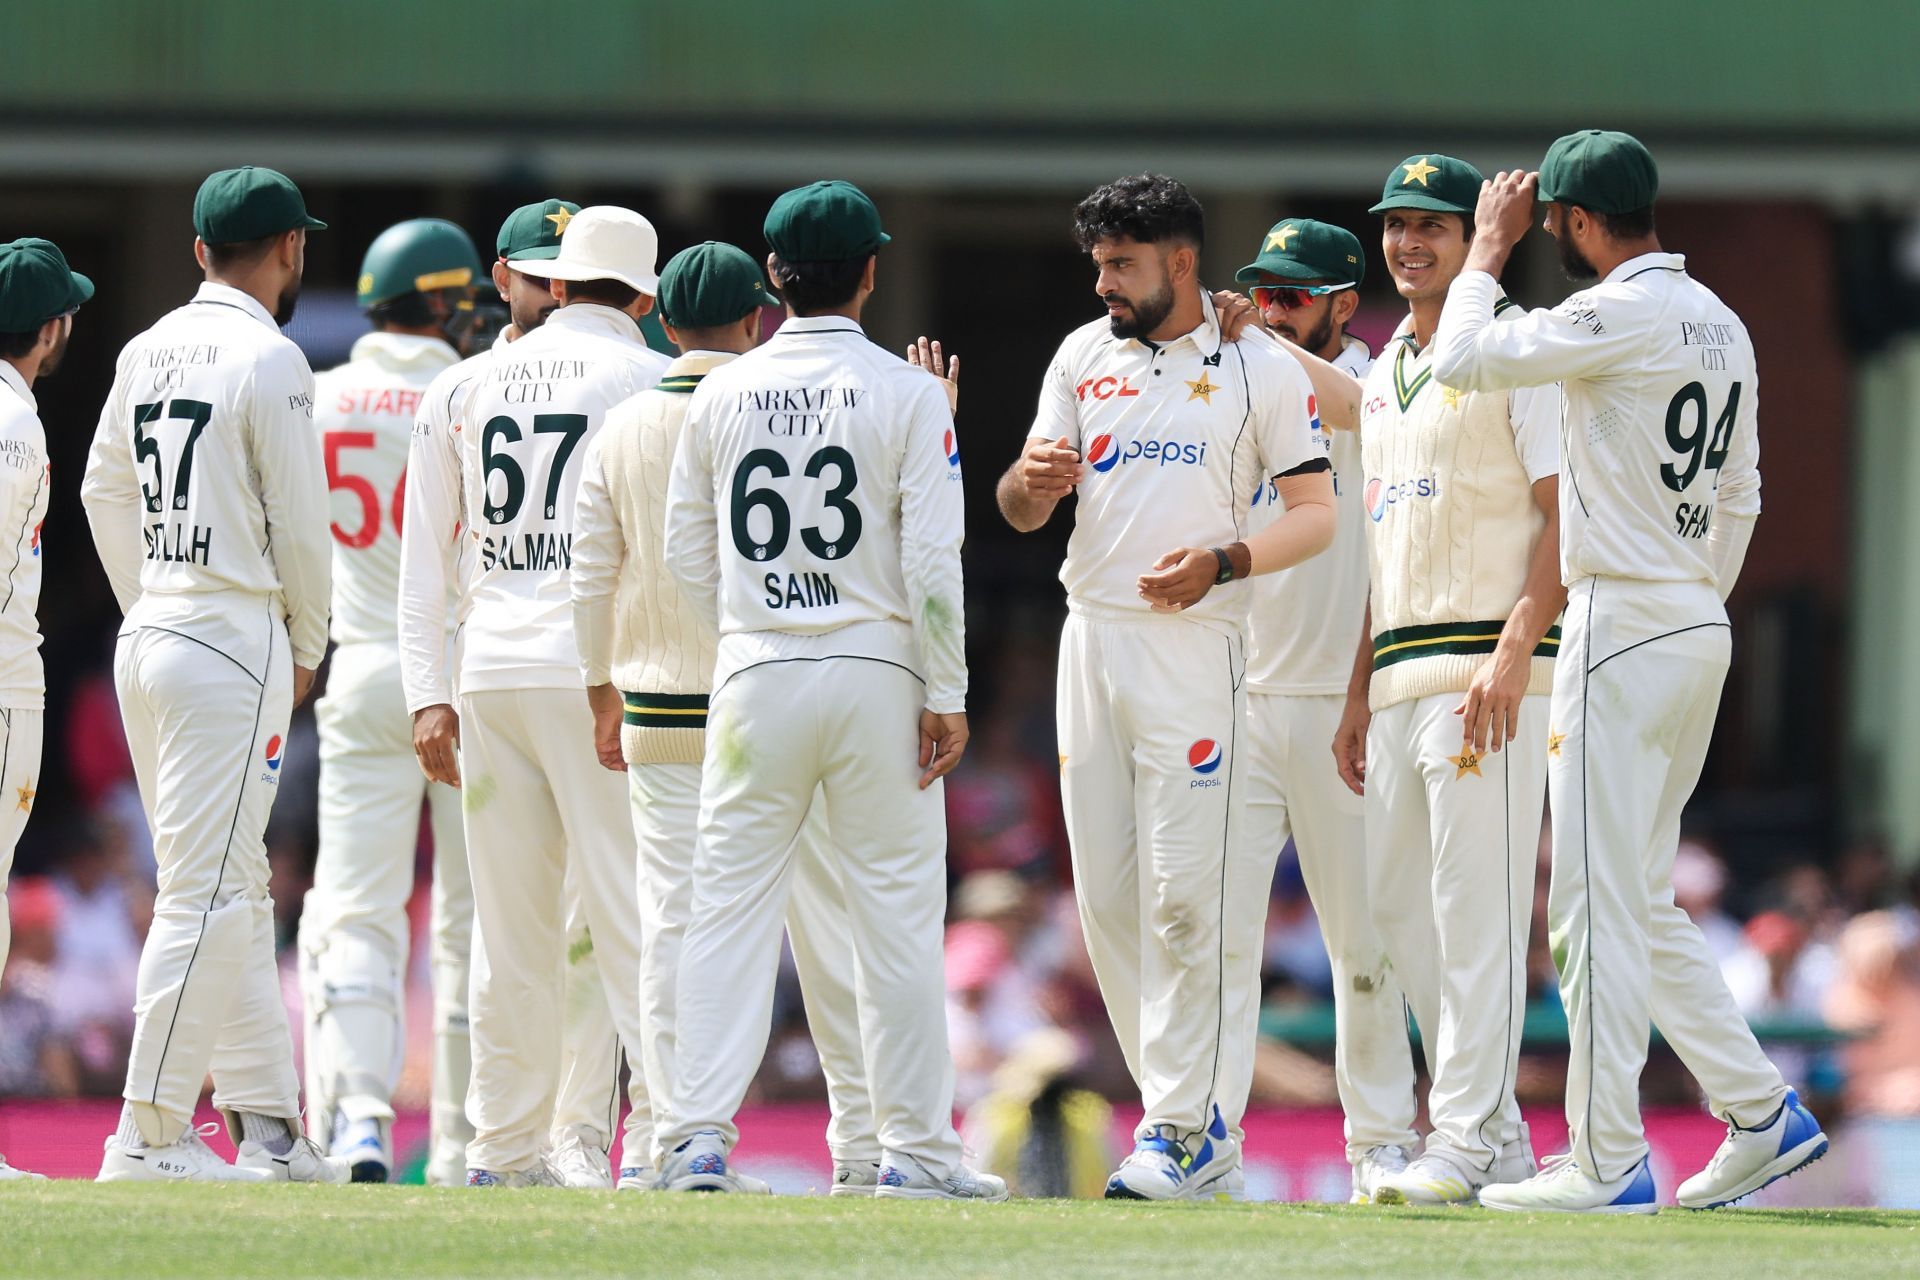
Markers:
point(71, 1230)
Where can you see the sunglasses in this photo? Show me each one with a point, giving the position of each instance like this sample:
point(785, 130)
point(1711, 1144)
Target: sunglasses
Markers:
point(1291, 297)
point(538, 282)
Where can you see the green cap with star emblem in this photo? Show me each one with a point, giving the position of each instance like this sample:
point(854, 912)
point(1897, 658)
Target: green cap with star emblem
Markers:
point(36, 285)
point(533, 230)
point(1302, 249)
point(710, 285)
point(831, 221)
point(249, 203)
point(1435, 182)
point(1601, 170)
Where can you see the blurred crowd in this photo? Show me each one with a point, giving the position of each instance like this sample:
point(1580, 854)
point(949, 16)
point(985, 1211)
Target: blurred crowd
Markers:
point(1823, 959)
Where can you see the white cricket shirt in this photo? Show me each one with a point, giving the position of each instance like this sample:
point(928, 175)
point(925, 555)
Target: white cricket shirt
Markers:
point(1175, 437)
point(1659, 428)
point(1305, 622)
point(521, 429)
point(364, 411)
point(206, 488)
point(23, 508)
point(815, 508)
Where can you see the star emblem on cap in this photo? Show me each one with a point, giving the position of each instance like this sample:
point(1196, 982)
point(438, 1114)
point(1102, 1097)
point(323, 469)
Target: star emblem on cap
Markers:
point(1465, 763)
point(559, 218)
point(26, 794)
point(1419, 171)
point(1202, 389)
point(1277, 239)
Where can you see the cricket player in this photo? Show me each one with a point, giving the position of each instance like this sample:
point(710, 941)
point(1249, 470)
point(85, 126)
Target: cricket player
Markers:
point(1305, 284)
point(415, 285)
point(1165, 430)
point(1445, 728)
point(815, 518)
point(208, 501)
point(39, 293)
point(586, 1110)
point(648, 657)
point(1662, 489)
point(536, 802)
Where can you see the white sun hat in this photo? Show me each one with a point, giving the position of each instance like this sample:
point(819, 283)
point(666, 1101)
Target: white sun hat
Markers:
point(603, 242)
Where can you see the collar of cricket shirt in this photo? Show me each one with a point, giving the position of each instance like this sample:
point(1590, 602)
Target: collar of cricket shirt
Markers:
point(11, 376)
point(819, 324)
point(1205, 336)
point(592, 317)
point(404, 349)
point(224, 295)
point(1647, 262)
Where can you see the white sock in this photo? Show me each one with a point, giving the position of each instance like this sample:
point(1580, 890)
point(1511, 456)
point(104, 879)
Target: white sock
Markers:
point(271, 1132)
point(129, 1132)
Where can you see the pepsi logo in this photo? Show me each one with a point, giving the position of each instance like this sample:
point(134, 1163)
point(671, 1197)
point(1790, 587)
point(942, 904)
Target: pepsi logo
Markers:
point(274, 747)
point(1204, 756)
point(1103, 454)
point(952, 448)
point(1313, 412)
point(1375, 497)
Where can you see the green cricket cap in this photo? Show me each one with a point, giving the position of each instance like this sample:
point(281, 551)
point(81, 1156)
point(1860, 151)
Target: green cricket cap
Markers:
point(1302, 249)
point(1435, 182)
point(534, 230)
point(826, 222)
point(249, 203)
point(710, 285)
point(36, 284)
point(1601, 170)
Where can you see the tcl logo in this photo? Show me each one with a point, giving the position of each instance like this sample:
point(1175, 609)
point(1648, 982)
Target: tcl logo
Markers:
point(1106, 388)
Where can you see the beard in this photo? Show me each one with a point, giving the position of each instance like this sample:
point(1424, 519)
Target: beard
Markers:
point(1573, 264)
point(52, 359)
point(289, 301)
point(1147, 314)
point(528, 318)
point(1316, 339)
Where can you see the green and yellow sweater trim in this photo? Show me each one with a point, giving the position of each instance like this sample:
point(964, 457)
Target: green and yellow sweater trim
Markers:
point(1401, 644)
point(664, 710)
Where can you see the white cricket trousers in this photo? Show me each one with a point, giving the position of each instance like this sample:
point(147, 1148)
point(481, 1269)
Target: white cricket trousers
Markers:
point(206, 728)
point(666, 819)
point(587, 1104)
point(538, 803)
point(1636, 689)
point(848, 727)
point(1152, 774)
point(354, 930)
point(1294, 789)
point(1452, 841)
point(20, 735)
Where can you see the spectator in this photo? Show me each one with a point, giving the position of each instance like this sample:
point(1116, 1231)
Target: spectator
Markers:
point(1296, 963)
point(1699, 883)
point(1779, 971)
point(35, 1059)
point(985, 1016)
point(104, 912)
point(1040, 1128)
point(1877, 998)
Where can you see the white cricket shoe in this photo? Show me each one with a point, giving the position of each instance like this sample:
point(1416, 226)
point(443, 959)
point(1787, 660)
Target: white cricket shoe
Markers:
point(363, 1146)
point(187, 1159)
point(1749, 1159)
point(911, 1180)
point(10, 1174)
point(1161, 1167)
point(540, 1174)
point(699, 1164)
point(304, 1161)
point(1562, 1186)
point(638, 1177)
point(855, 1177)
point(1435, 1178)
point(580, 1164)
point(1515, 1162)
point(1376, 1164)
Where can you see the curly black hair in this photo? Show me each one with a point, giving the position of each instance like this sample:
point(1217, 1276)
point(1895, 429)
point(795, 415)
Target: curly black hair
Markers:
point(1148, 207)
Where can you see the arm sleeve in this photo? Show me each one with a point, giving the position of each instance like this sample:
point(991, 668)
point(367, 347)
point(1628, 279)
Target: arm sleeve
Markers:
point(1534, 413)
point(1285, 420)
point(598, 549)
point(693, 530)
point(110, 491)
point(1058, 413)
point(932, 528)
point(1474, 351)
point(429, 543)
point(293, 494)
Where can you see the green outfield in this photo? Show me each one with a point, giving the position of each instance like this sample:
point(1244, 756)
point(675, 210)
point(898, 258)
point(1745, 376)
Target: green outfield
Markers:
point(77, 1230)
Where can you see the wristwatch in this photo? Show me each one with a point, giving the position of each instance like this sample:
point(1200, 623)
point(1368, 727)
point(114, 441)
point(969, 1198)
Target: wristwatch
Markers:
point(1226, 567)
